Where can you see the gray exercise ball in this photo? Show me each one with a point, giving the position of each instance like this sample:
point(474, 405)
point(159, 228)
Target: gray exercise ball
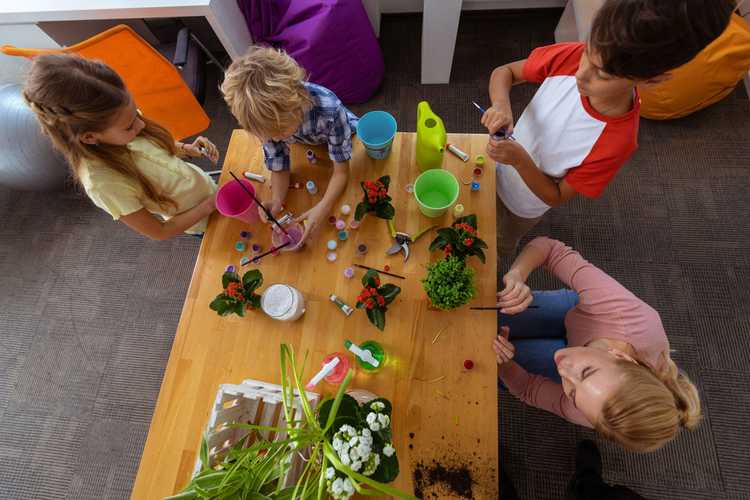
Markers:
point(27, 160)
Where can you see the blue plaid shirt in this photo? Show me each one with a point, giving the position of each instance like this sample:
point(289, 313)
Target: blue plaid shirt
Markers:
point(327, 121)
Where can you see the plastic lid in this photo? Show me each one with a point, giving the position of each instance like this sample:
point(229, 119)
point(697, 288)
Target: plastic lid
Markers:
point(277, 300)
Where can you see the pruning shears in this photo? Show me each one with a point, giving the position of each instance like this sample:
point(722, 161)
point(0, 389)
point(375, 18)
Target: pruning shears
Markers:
point(403, 240)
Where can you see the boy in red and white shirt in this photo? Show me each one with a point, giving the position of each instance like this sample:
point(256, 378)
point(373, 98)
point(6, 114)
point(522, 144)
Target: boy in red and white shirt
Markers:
point(582, 125)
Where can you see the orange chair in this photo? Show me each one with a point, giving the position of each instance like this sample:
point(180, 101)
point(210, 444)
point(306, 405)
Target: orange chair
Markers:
point(156, 85)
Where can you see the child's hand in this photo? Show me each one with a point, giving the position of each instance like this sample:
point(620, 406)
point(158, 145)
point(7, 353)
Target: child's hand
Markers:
point(273, 206)
point(498, 116)
point(313, 219)
point(516, 296)
point(507, 151)
point(202, 147)
point(504, 350)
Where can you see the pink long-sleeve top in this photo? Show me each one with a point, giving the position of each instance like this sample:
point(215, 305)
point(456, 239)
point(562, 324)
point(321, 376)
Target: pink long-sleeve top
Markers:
point(606, 309)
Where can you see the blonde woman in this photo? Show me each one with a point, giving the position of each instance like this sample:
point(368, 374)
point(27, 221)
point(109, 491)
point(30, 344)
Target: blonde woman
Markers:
point(596, 355)
point(267, 93)
point(130, 166)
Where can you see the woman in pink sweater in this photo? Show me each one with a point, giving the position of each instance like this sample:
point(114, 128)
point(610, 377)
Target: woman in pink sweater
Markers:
point(596, 355)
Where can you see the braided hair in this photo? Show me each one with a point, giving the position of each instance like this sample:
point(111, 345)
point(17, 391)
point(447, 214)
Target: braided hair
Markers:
point(71, 96)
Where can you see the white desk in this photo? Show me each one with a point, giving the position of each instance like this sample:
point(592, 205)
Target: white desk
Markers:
point(224, 16)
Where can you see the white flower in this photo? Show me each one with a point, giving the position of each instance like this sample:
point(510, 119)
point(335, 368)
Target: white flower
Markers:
point(353, 441)
point(356, 465)
point(372, 464)
point(354, 453)
point(389, 450)
point(330, 473)
point(348, 486)
point(345, 459)
point(337, 487)
point(384, 420)
point(337, 442)
point(378, 406)
point(366, 434)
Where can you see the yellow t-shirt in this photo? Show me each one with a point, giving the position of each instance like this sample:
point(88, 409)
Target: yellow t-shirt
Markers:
point(119, 195)
point(708, 78)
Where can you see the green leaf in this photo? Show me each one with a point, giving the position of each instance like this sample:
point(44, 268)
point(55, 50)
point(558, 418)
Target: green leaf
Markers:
point(376, 317)
point(227, 278)
point(254, 301)
point(339, 397)
point(252, 280)
point(385, 211)
point(239, 309)
point(389, 292)
point(438, 243)
point(386, 180)
point(388, 469)
point(220, 304)
point(369, 278)
point(361, 211)
point(204, 454)
point(347, 408)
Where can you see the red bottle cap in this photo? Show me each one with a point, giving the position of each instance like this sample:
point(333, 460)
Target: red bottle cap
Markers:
point(468, 364)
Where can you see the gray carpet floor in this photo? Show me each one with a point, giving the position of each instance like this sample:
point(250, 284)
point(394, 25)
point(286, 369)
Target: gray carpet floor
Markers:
point(88, 309)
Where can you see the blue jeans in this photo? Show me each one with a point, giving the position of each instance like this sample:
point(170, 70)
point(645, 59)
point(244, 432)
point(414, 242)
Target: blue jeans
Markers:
point(538, 333)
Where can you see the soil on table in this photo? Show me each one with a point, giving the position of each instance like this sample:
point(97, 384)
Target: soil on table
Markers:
point(437, 480)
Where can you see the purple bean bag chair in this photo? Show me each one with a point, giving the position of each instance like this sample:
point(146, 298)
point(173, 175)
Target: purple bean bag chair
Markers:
point(332, 39)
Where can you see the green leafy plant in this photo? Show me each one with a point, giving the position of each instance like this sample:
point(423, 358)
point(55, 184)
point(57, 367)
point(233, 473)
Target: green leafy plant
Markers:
point(449, 283)
point(239, 294)
point(461, 239)
point(374, 298)
point(375, 199)
point(259, 471)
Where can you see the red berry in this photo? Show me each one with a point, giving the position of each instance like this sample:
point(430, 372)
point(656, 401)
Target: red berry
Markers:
point(468, 364)
point(386, 268)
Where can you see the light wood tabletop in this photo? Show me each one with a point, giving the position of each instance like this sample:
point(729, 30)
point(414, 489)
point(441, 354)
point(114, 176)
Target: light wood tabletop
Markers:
point(442, 412)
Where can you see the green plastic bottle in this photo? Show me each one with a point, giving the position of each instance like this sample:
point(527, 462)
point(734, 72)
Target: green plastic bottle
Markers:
point(431, 138)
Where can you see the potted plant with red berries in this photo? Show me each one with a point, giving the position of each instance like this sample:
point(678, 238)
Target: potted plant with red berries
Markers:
point(375, 199)
point(239, 294)
point(461, 239)
point(375, 298)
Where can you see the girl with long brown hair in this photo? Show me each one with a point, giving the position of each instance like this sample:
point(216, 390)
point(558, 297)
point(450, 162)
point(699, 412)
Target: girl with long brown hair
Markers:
point(129, 166)
point(594, 354)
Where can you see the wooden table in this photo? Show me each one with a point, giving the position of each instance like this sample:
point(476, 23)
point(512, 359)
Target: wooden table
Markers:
point(452, 421)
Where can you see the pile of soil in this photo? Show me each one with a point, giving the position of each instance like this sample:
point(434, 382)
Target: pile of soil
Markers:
point(436, 480)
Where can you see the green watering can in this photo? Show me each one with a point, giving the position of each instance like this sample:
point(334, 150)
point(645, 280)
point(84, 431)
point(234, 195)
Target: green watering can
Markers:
point(431, 138)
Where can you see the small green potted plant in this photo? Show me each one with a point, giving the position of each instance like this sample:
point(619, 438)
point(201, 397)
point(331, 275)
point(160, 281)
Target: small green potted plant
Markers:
point(375, 297)
point(461, 239)
point(375, 199)
point(239, 294)
point(449, 283)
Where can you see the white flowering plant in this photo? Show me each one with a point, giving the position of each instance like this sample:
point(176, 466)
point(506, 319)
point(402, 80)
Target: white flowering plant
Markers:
point(344, 453)
point(361, 436)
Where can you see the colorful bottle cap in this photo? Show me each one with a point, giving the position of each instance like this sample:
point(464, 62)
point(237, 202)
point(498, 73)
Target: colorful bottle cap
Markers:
point(409, 188)
point(340, 224)
point(478, 172)
point(331, 256)
point(361, 249)
point(244, 260)
point(354, 224)
point(346, 209)
point(475, 186)
point(479, 160)
point(257, 248)
point(311, 187)
point(332, 244)
point(458, 210)
point(229, 269)
point(240, 246)
point(246, 235)
point(349, 273)
point(343, 235)
point(332, 220)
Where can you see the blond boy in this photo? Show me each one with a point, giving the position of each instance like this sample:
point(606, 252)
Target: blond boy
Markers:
point(267, 93)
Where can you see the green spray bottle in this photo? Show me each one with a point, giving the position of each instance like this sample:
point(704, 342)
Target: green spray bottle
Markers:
point(431, 138)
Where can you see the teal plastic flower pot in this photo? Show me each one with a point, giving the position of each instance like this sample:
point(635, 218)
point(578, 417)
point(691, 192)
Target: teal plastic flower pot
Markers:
point(376, 130)
point(436, 191)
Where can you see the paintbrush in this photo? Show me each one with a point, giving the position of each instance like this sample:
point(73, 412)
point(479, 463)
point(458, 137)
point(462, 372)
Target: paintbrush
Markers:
point(380, 271)
point(497, 308)
point(495, 136)
point(274, 249)
point(267, 212)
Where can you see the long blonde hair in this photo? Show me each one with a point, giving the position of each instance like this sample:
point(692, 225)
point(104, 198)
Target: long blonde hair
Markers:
point(265, 91)
point(650, 407)
point(71, 96)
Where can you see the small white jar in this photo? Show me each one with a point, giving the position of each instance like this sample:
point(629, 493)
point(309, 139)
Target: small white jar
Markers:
point(282, 302)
